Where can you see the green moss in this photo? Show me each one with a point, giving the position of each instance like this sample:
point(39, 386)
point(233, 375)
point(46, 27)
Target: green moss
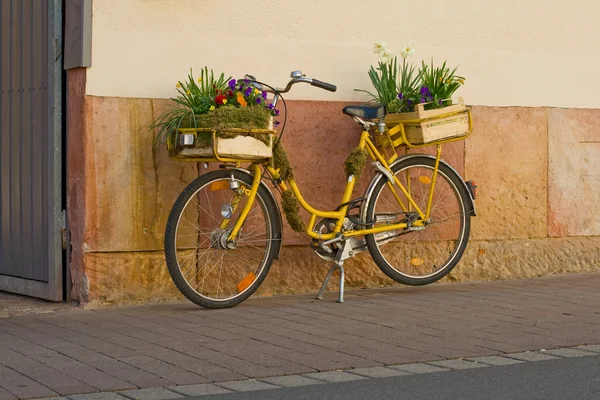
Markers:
point(225, 118)
point(291, 209)
point(281, 162)
point(263, 137)
point(203, 139)
point(355, 163)
point(234, 117)
point(395, 106)
point(289, 203)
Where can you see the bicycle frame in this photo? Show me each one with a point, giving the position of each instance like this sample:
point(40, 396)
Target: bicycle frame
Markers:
point(340, 215)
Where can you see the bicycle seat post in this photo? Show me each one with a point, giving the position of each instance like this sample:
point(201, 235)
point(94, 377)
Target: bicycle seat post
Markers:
point(381, 126)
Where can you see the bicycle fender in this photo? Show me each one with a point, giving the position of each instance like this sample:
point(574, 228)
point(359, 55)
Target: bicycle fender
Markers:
point(379, 176)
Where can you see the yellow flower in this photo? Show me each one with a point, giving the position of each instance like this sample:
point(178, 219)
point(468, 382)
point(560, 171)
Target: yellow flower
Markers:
point(199, 80)
point(256, 91)
point(178, 85)
point(224, 101)
point(188, 92)
point(212, 108)
point(461, 81)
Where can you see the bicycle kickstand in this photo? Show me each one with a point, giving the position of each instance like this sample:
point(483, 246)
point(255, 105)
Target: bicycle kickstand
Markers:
point(339, 265)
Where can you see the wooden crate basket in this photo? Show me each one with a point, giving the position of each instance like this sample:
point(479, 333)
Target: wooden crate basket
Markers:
point(424, 127)
point(206, 144)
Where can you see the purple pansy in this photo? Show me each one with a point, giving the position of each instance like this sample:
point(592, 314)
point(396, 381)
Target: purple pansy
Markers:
point(276, 112)
point(258, 100)
point(248, 91)
point(425, 91)
point(264, 95)
point(276, 123)
point(232, 83)
point(270, 106)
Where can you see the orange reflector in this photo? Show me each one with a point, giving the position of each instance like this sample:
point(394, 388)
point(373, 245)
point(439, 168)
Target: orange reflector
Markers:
point(247, 281)
point(417, 262)
point(219, 185)
point(425, 180)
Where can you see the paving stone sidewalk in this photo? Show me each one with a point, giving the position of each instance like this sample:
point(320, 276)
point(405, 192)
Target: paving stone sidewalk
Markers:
point(73, 352)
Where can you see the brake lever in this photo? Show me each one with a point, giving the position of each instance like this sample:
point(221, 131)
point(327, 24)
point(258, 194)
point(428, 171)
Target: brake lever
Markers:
point(253, 81)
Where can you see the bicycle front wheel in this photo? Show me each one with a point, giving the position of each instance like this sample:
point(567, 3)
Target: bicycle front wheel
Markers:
point(419, 255)
point(205, 267)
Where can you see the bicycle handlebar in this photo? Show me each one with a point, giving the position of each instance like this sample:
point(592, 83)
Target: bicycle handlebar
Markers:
point(324, 85)
point(297, 77)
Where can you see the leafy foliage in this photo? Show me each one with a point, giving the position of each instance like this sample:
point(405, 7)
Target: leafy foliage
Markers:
point(199, 104)
point(402, 87)
point(192, 100)
point(440, 82)
point(384, 80)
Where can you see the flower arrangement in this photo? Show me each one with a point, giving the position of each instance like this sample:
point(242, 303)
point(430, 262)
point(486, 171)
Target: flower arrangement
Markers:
point(402, 86)
point(214, 102)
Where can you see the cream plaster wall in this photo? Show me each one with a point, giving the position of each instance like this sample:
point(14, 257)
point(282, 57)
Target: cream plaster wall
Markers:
point(518, 53)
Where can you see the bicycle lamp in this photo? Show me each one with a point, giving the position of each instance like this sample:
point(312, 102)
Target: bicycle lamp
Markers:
point(226, 211)
point(381, 127)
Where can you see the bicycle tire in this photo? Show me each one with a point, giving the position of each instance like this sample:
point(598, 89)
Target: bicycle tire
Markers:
point(273, 227)
point(408, 256)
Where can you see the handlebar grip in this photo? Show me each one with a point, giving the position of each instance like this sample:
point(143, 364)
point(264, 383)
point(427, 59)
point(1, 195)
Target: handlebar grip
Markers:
point(324, 85)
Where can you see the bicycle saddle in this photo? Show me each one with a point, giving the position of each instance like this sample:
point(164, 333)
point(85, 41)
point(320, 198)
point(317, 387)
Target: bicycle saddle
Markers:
point(366, 111)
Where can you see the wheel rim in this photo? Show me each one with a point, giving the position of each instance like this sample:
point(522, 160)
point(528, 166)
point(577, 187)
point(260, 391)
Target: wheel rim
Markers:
point(213, 268)
point(421, 253)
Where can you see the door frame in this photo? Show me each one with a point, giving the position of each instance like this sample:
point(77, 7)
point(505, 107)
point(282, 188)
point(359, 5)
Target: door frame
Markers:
point(53, 289)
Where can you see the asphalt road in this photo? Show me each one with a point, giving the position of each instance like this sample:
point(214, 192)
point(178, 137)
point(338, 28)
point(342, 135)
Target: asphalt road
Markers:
point(568, 378)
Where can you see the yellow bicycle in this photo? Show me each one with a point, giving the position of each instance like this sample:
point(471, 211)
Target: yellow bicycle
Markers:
point(225, 229)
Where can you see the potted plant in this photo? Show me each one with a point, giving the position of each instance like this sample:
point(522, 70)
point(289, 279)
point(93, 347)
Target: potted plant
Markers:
point(215, 117)
point(419, 98)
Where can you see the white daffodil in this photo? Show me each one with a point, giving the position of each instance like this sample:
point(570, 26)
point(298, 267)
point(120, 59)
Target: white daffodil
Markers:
point(379, 47)
point(386, 56)
point(407, 50)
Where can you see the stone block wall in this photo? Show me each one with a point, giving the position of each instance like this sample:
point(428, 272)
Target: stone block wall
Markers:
point(537, 171)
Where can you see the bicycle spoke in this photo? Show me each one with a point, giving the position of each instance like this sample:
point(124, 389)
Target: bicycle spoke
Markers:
point(244, 261)
point(421, 251)
point(206, 274)
point(198, 257)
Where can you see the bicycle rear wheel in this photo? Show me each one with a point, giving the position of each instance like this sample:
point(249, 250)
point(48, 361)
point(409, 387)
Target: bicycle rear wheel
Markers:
point(420, 255)
point(207, 269)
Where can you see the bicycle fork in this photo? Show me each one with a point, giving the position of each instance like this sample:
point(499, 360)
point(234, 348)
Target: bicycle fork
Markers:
point(251, 196)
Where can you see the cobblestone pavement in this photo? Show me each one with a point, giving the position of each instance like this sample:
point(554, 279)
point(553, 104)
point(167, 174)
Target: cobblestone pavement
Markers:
point(175, 350)
point(13, 305)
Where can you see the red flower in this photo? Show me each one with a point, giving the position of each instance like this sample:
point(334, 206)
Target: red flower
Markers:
point(229, 93)
point(220, 99)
